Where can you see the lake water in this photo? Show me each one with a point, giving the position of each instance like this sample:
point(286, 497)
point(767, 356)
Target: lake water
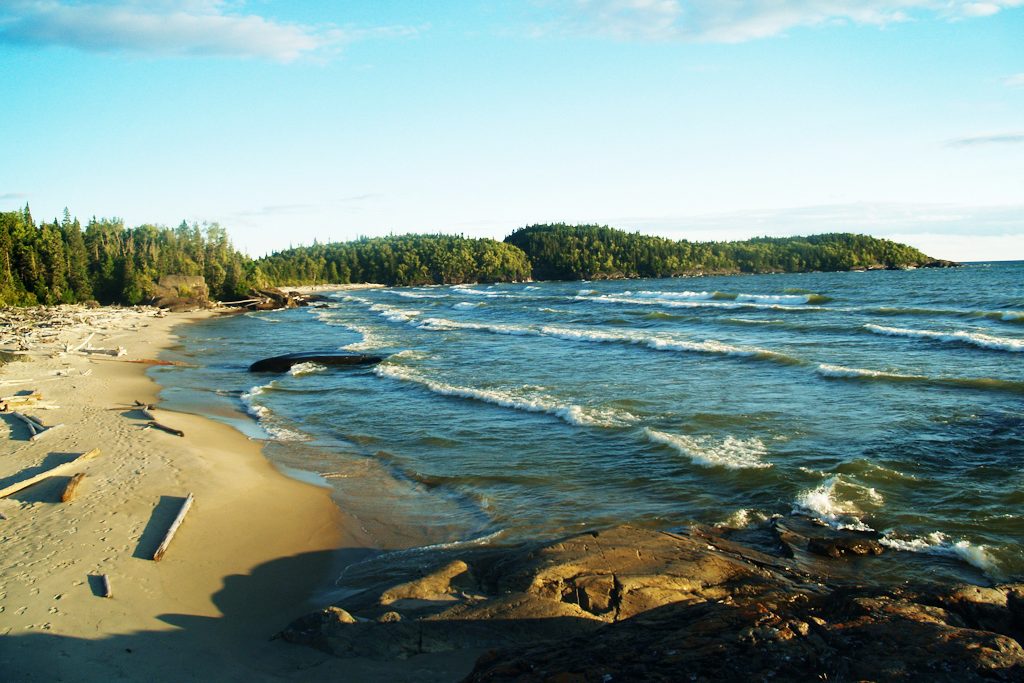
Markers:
point(891, 400)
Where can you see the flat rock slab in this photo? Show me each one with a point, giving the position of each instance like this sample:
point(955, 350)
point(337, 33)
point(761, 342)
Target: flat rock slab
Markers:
point(284, 363)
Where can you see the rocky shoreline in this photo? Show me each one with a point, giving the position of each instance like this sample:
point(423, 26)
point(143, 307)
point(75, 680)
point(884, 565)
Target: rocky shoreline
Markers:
point(629, 604)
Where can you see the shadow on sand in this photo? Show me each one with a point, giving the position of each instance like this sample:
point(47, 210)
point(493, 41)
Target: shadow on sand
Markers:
point(239, 645)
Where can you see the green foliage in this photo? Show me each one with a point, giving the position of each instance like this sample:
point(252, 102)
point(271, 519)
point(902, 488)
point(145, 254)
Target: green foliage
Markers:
point(574, 252)
point(58, 262)
point(399, 260)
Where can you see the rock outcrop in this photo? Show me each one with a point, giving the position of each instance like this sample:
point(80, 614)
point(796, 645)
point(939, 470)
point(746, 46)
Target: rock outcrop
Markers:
point(636, 604)
point(181, 292)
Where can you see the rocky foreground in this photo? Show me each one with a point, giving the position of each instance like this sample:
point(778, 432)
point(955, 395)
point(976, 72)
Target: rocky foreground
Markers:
point(631, 604)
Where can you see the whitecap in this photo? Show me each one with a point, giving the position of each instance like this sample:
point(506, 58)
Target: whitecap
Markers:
point(985, 341)
point(265, 417)
point(731, 453)
point(827, 370)
point(824, 503)
point(466, 305)
point(938, 543)
point(394, 314)
point(300, 369)
point(570, 413)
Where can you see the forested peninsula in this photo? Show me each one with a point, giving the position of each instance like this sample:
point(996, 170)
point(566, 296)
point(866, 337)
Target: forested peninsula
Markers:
point(62, 262)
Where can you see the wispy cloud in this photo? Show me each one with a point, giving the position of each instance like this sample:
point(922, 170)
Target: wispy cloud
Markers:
point(172, 27)
point(1014, 81)
point(997, 139)
point(738, 21)
point(6, 196)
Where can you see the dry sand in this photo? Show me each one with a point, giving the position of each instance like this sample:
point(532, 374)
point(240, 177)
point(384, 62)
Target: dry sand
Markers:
point(253, 550)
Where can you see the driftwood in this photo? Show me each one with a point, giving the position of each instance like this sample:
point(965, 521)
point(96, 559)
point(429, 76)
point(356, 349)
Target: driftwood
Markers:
point(35, 426)
point(146, 410)
point(59, 469)
point(105, 581)
point(165, 428)
point(119, 351)
point(164, 544)
point(69, 490)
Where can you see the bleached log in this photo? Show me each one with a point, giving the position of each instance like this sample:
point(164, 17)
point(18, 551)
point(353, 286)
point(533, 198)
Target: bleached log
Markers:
point(52, 472)
point(83, 344)
point(69, 490)
point(164, 544)
point(35, 425)
point(107, 591)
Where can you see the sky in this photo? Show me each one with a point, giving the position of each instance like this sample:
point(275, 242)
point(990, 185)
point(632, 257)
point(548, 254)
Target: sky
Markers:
point(289, 122)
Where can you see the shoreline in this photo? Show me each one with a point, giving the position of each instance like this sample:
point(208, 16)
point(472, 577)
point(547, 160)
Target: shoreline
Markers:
point(256, 548)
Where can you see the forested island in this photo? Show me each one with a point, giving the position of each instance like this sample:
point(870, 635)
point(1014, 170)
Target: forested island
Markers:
point(108, 262)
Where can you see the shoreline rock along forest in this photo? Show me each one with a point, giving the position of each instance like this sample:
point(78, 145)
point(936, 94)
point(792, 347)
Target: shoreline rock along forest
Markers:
point(62, 262)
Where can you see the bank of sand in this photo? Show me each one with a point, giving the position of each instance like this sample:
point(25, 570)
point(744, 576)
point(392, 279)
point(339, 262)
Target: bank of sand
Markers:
point(252, 554)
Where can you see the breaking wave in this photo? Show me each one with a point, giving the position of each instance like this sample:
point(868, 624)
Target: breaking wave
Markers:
point(266, 418)
point(730, 453)
point(826, 504)
point(938, 543)
point(300, 369)
point(985, 341)
point(580, 416)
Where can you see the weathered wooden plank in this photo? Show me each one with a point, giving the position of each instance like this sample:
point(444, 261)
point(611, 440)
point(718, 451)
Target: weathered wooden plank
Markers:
point(52, 472)
point(108, 592)
point(164, 544)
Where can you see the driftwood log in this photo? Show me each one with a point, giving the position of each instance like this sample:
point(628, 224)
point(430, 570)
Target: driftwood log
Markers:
point(72, 486)
point(107, 590)
point(164, 544)
point(35, 425)
point(52, 472)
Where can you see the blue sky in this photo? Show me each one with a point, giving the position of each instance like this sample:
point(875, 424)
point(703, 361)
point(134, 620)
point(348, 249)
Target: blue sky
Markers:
point(287, 122)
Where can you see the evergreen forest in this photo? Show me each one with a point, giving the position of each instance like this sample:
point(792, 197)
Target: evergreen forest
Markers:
point(60, 262)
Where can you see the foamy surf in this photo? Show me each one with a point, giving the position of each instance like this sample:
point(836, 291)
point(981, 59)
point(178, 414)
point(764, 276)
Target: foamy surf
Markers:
point(265, 418)
point(394, 314)
point(580, 416)
point(730, 452)
point(938, 543)
point(825, 503)
point(985, 341)
point(839, 371)
point(301, 369)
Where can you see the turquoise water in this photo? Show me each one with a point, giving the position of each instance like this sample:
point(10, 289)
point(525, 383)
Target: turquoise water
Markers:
point(890, 400)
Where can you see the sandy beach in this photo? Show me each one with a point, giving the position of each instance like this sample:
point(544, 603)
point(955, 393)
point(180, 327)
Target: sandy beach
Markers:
point(254, 550)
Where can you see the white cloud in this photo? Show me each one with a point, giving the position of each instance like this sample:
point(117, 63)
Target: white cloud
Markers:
point(734, 21)
point(170, 27)
point(1014, 81)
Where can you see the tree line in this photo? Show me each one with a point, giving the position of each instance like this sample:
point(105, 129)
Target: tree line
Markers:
point(584, 252)
point(60, 262)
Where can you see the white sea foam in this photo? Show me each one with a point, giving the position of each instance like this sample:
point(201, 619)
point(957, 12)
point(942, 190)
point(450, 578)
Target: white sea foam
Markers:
point(265, 417)
point(824, 503)
point(938, 543)
point(300, 369)
point(827, 370)
point(742, 518)
point(370, 339)
point(711, 296)
point(415, 295)
point(586, 292)
point(775, 298)
point(532, 403)
point(731, 453)
point(661, 342)
point(445, 325)
point(985, 341)
point(466, 305)
point(394, 314)
point(672, 303)
point(672, 296)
